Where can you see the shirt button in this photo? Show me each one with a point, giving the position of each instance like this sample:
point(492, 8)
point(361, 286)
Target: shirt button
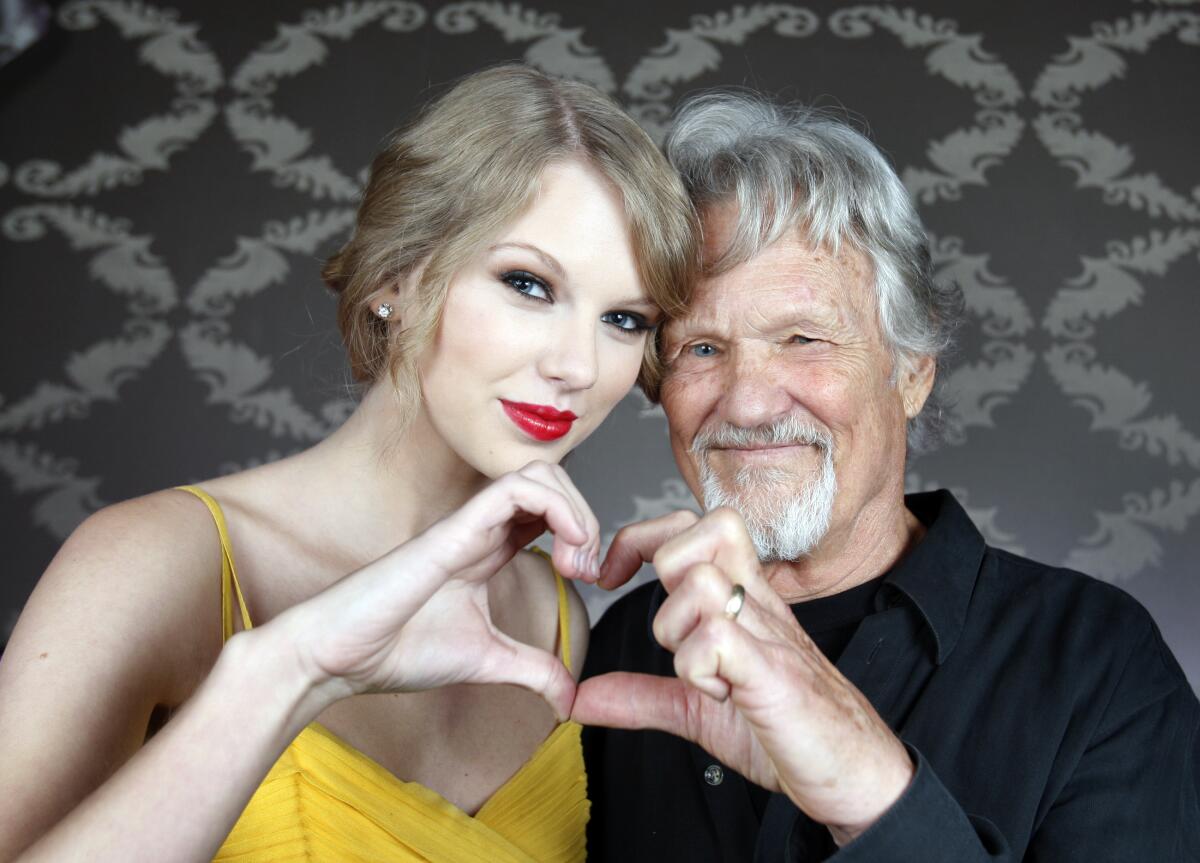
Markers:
point(714, 775)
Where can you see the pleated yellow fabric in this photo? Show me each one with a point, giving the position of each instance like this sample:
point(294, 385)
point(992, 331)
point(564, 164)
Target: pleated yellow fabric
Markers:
point(325, 800)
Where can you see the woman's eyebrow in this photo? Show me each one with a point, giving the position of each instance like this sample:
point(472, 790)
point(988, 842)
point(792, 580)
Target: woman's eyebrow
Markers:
point(549, 260)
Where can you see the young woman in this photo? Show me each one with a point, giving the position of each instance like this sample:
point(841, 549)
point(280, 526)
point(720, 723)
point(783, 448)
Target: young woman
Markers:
point(514, 249)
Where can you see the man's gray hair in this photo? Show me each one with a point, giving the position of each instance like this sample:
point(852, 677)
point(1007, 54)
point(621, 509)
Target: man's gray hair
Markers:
point(787, 167)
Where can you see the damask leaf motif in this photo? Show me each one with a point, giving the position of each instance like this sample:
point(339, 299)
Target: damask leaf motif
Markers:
point(342, 22)
point(976, 389)
point(964, 156)
point(67, 499)
point(171, 48)
point(1085, 65)
point(303, 234)
point(984, 518)
point(1139, 31)
point(1099, 162)
point(151, 142)
point(83, 227)
point(1106, 286)
point(297, 47)
point(556, 49)
point(985, 294)
point(230, 369)
point(687, 54)
point(134, 19)
point(278, 412)
point(100, 370)
point(102, 171)
point(94, 374)
point(1094, 157)
point(564, 53)
point(293, 50)
point(273, 141)
point(1116, 402)
point(1163, 436)
point(957, 57)
point(254, 266)
point(1149, 192)
point(317, 176)
point(1123, 545)
point(234, 372)
point(48, 403)
point(127, 266)
point(1090, 62)
point(131, 270)
point(1109, 395)
point(278, 144)
point(178, 54)
point(512, 21)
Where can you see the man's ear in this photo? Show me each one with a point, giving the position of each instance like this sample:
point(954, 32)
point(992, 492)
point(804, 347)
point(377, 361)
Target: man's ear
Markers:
point(915, 383)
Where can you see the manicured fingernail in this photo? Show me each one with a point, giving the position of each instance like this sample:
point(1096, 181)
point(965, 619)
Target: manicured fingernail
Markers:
point(575, 563)
point(594, 566)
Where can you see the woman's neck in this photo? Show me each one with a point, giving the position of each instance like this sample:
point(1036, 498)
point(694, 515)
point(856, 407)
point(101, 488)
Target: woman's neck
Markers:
point(388, 485)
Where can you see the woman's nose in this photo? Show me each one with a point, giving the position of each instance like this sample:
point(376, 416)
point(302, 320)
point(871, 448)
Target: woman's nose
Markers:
point(571, 358)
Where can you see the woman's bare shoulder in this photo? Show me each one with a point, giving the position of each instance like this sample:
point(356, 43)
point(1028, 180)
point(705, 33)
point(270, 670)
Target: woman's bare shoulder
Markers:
point(138, 578)
point(538, 575)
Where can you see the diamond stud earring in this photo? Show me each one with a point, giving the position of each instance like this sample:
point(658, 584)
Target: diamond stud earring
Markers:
point(384, 311)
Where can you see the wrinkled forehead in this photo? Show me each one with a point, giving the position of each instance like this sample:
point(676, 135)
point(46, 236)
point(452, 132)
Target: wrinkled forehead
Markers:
point(789, 278)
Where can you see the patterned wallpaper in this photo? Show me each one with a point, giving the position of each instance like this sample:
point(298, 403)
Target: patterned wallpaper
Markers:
point(171, 176)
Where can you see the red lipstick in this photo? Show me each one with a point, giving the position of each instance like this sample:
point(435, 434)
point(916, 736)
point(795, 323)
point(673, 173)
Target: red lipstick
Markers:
point(540, 422)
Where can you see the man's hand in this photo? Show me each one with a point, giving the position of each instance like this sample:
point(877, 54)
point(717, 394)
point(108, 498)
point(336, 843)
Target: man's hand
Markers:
point(754, 691)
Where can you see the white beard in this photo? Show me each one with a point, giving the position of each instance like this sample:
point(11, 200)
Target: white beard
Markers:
point(784, 522)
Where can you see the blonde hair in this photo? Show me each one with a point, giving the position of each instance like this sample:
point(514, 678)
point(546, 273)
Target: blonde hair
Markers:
point(466, 167)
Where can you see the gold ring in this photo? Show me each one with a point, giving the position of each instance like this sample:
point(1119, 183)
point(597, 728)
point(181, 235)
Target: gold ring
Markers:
point(734, 606)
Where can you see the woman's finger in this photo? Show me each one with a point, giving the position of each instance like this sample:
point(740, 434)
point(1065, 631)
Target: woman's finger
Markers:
point(531, 668)
point(484, 525)
point(582, 558)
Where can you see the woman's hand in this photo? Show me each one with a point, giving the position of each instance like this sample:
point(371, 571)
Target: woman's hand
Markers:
point(418, 618)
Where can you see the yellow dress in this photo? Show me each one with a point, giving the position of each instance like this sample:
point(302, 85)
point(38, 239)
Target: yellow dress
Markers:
point(325, 800)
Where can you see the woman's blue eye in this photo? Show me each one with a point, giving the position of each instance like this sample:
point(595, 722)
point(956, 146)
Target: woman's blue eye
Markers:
point(626, 321)
point(802, 340)
point(702, 350)
point(528, 285)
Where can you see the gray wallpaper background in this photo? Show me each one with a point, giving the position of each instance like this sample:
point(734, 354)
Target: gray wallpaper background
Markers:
point(171, 176)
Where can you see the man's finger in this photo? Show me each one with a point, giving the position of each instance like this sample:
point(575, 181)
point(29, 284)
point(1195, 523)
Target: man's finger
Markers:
point(622, 699)
point(636, 544)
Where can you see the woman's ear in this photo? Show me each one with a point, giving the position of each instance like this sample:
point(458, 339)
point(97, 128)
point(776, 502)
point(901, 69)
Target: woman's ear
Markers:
point(389, 303)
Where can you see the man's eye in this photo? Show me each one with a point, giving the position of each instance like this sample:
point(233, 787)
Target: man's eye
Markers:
point(702, 350)
point(802, 340)
point(626, 321)
point(527, 284)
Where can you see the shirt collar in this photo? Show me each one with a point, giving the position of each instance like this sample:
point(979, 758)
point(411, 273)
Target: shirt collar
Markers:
point(937, 576)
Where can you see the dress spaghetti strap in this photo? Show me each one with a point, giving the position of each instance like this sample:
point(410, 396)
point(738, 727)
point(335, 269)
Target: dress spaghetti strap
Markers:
point(564, 611)
point(229, 580)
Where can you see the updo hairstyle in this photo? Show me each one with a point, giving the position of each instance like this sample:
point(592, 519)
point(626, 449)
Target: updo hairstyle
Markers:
point(448, 184)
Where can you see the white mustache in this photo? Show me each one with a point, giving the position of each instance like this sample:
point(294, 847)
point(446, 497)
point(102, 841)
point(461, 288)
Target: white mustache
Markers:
point(788, 431)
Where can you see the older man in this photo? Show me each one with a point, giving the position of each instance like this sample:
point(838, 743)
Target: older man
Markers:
point(826, 669)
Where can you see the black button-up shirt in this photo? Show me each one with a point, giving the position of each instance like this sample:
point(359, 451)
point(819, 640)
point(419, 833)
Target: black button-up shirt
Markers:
point(1046, 718)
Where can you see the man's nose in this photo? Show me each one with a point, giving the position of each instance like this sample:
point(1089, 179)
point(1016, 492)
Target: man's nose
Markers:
point(753, 394)
point(571, 358)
